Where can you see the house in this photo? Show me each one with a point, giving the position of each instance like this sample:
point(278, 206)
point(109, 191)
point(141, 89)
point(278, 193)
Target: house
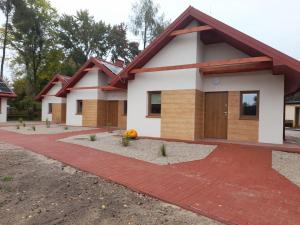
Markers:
point(53, 108)
point(5, 93)
point(204, 79)
point(292, 114)
point(91, 101)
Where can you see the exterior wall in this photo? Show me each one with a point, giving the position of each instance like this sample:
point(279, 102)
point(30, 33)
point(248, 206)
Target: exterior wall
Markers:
point(51, 99)
point(290, 111)
point(270, 103)
point(181, 50)
point(221, 51)
point(3, 112)
point(239, 130)
point(199, 114)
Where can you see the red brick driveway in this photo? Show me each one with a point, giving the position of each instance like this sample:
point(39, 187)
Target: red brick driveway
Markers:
point(235, 184)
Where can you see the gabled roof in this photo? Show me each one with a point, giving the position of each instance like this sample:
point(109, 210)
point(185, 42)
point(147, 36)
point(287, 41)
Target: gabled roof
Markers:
point(57, 78)
point(107, 68)
point(5, 91)
point(220, 32)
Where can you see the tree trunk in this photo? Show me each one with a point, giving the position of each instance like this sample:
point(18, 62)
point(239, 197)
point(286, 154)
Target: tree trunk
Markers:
point(4, 44)
point(145, 37)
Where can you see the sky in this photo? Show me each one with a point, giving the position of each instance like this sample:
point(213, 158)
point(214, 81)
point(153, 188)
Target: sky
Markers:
point(274, 22)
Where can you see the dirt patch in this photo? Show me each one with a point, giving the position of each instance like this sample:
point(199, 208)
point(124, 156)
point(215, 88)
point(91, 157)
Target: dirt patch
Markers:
point(36, 190)
point(43, 129)
point(145, 149)
point(287, 164)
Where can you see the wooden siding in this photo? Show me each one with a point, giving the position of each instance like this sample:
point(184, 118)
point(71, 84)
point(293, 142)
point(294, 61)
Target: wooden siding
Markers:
point(122, 119)
point(240, 130)
point(58, 112)
point(178, 114)
point(199, 115)
point(89, 113)
point(102, 113)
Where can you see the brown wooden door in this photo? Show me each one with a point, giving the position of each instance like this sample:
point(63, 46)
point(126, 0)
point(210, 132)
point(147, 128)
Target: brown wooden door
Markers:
point(216, 110)
point(112, 113)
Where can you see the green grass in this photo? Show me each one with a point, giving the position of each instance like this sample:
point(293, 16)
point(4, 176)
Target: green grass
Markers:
point(7, 178)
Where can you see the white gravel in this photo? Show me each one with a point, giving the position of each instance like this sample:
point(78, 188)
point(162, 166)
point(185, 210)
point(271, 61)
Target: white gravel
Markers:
point(145, 149)
point(42, 129)
point(287, 164)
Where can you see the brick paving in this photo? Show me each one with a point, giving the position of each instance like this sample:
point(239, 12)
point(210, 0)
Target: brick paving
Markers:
point(235, 184)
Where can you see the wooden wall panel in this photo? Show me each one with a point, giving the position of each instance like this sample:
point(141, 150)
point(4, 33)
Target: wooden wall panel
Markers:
point(178, 114)
point(199, 114)
point(89, 113)
point(122, 119)
point(58, 112)
point(240, 130)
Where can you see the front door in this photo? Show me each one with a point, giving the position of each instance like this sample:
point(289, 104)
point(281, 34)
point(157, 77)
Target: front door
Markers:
point(112, 114)
point(216, 110)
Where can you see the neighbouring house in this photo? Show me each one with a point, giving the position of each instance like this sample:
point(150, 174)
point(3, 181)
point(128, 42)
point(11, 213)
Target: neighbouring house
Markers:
point(5, 93)
point(203, 79)
point(292, 114)
point(53, 108)
point(91, 101)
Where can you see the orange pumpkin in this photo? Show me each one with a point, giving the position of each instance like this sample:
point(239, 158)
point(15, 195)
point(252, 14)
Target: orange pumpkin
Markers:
point(131, 134)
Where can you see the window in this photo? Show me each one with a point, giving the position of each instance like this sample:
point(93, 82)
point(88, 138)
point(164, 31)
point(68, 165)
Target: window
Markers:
point(50, 108)
point(79, 107)
point(249, 105)
point(125, 108)
point(154, 103)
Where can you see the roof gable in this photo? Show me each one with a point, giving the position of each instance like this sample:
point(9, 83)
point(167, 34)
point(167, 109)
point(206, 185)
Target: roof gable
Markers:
point(282, 63)
point(107, 68)
point(57, 78)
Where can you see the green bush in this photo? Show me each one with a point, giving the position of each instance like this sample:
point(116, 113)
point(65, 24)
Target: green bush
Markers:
point(93, 137)
point(33, 128)
point(125, 141)
point(20, 120)
point(66, 128)
point(163, 150)
point(47, 123)
point(18, 127)
point(24, 124)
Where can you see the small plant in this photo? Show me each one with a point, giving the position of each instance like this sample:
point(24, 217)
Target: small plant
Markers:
point(93, 137)
point(47, 123)
point(7, 178)
point(20, 120)
point(125, 141)
point(109, 127)
point(66, 128)
point(18, 127)
point(33, 128)
point(163, 150)
point(24, 124)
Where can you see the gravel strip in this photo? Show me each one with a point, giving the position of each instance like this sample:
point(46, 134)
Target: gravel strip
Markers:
point(287, 164)
point(145, 149)
point(42, 129)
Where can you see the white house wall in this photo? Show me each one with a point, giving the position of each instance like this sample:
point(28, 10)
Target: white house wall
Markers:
point(3, 113)
point(270, 102)
point(181, 50)
point(221, 51)
point(51, 99)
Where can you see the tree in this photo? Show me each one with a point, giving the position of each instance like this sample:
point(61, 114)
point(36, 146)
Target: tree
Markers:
point(119, 46)
point(33, 30)
point(145, 20)
point(6, 7)
point(82, 37)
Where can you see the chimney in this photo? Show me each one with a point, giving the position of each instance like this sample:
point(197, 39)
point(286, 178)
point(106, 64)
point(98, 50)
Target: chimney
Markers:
point(119, 63)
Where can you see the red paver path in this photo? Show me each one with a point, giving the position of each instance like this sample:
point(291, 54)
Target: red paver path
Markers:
point(235, 184)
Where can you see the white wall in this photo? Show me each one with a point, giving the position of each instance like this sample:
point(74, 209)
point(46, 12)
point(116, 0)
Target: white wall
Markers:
point(51, 99)
point(290, 111)
point(270, 103)
point(181, 50)
point(221, 51)
point(3, 113)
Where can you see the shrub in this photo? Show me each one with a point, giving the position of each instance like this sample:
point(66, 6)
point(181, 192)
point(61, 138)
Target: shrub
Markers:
point(163, 150)
point(7, 178)
point(125, 141)
point(93, 137)
point(21, 120)
point(47, 123)
point(66, 128)
point(33, 128)
point(18, 127)
point(24, 124)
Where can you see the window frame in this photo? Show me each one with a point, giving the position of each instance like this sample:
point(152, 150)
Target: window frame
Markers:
point(125, 107)
point(150, 114)
point(50, 111)
point(248, 117)
point(77, 107)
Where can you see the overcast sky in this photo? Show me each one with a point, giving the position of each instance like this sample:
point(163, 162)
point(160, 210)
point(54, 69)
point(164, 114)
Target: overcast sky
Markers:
point(274, 22)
